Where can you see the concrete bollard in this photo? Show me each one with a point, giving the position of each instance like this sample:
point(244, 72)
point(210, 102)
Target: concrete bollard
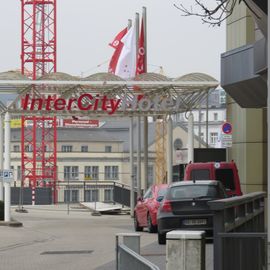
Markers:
point(185, 250)
point(132, 241)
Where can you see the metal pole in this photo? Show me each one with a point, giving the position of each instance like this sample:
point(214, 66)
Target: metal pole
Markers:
point(169, 150)
point(207, 105)
point(199, 125)
point(145, 119)
point(1, 154)
point(137, 18)
point(68, 197)
point(268, 127)
point(131, 156)
point(131, 161)
point(190, 138)
point(7, 166)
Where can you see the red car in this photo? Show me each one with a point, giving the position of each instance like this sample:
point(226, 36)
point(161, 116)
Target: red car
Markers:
point(145, 212)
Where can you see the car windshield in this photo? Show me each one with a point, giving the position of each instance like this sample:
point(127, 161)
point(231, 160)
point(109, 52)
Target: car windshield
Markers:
point(193, 192)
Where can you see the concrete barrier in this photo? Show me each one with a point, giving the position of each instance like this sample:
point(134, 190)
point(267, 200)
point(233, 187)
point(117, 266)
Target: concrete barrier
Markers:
point(185, 250)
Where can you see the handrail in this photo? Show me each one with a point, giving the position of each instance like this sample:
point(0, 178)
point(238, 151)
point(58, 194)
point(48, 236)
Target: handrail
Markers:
point(235, 201)
point(233, 216)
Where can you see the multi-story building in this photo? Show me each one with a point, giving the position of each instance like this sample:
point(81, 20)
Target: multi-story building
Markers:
point(208, 119)
point(243, 76)
point(95, 155)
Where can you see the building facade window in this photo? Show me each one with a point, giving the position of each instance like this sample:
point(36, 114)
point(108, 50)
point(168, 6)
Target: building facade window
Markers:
point(28, 148)
point(111, 173)
point(213, 137)
point(150, 178)
point(202, 136)
point(108, 195)
point(215, 116)
point(84, 148)
point(222, 97)
point(91, 195)
point(201, 117)
point(66, 148)
point(71, 195)
point(71, 173)
point(108, 148)
point(19, 173)
point(16, 148)
point(91, 173)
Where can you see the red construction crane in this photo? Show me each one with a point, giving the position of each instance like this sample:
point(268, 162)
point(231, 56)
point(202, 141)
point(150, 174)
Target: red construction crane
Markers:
point(38, 57)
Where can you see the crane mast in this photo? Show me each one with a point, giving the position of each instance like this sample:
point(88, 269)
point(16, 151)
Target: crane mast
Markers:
point(38, 57)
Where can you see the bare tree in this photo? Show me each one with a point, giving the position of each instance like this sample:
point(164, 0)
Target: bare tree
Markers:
point(213, 16)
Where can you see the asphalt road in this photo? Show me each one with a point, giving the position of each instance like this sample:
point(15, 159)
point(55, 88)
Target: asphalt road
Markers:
point(53, 239)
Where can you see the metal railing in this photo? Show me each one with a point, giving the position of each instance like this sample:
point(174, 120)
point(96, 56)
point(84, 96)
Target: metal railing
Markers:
point(239, 232)
point(127, 254)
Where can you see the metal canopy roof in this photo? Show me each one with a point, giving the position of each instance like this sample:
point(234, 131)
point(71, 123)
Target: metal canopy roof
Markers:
point(104, 94)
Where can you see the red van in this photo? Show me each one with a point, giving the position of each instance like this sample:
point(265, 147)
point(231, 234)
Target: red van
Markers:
point(225, 172)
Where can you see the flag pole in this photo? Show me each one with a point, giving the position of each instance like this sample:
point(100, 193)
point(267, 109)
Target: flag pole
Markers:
point(145, 119)
point(137, 22)
point(131, 155)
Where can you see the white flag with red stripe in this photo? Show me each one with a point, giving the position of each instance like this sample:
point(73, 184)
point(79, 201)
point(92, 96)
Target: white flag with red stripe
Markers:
point(126, 66)
point(117, 45)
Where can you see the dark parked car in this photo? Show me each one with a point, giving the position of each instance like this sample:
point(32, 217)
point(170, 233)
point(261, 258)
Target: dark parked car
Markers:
point(145, 212)
point(185, 207)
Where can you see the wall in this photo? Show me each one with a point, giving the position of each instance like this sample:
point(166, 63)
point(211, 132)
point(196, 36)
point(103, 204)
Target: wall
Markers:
point(249, 137)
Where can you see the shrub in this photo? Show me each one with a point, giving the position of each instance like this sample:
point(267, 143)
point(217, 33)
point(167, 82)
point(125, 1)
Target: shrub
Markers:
point(1, 210)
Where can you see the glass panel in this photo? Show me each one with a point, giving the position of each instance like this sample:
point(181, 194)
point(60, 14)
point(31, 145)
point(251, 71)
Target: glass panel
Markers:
point(193, 191)
point(200, 174)
point(226, 177)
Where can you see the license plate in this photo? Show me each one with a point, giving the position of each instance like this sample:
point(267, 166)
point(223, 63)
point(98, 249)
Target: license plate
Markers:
point(189, 222)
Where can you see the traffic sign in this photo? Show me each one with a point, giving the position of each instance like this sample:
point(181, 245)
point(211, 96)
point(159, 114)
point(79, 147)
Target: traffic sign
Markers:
point(227, 128)
point(8, 175)
point(226, 140)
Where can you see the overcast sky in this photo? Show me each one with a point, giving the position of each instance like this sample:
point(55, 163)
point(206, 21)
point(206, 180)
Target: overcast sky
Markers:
point(85, 27)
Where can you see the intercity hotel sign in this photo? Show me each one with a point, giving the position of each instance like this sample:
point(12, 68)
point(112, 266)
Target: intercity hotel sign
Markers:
point(104, 103)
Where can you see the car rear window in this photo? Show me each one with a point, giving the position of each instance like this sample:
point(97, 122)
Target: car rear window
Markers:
point(193, 191)
point(203, 174)
point(225, 176)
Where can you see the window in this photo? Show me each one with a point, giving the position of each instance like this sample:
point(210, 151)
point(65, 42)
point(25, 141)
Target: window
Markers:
point(202, 135)
point(203, 174)
point(71, 172)
point(215, 116)
point(19, 173)
point(111, 172)
point(66, 148)
point(91, 172)
point(135, 176)
point(222, 97)
point(193, 191)
point(150, 178)
point(71, 195)
point(28, 148)
point(91, 195)
point(148, 194)
point(201, 117)
point(226, 177)
point(108, 195)
point(16, 148)
point(108, 149)
point(84, 148)
point(213, 137)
